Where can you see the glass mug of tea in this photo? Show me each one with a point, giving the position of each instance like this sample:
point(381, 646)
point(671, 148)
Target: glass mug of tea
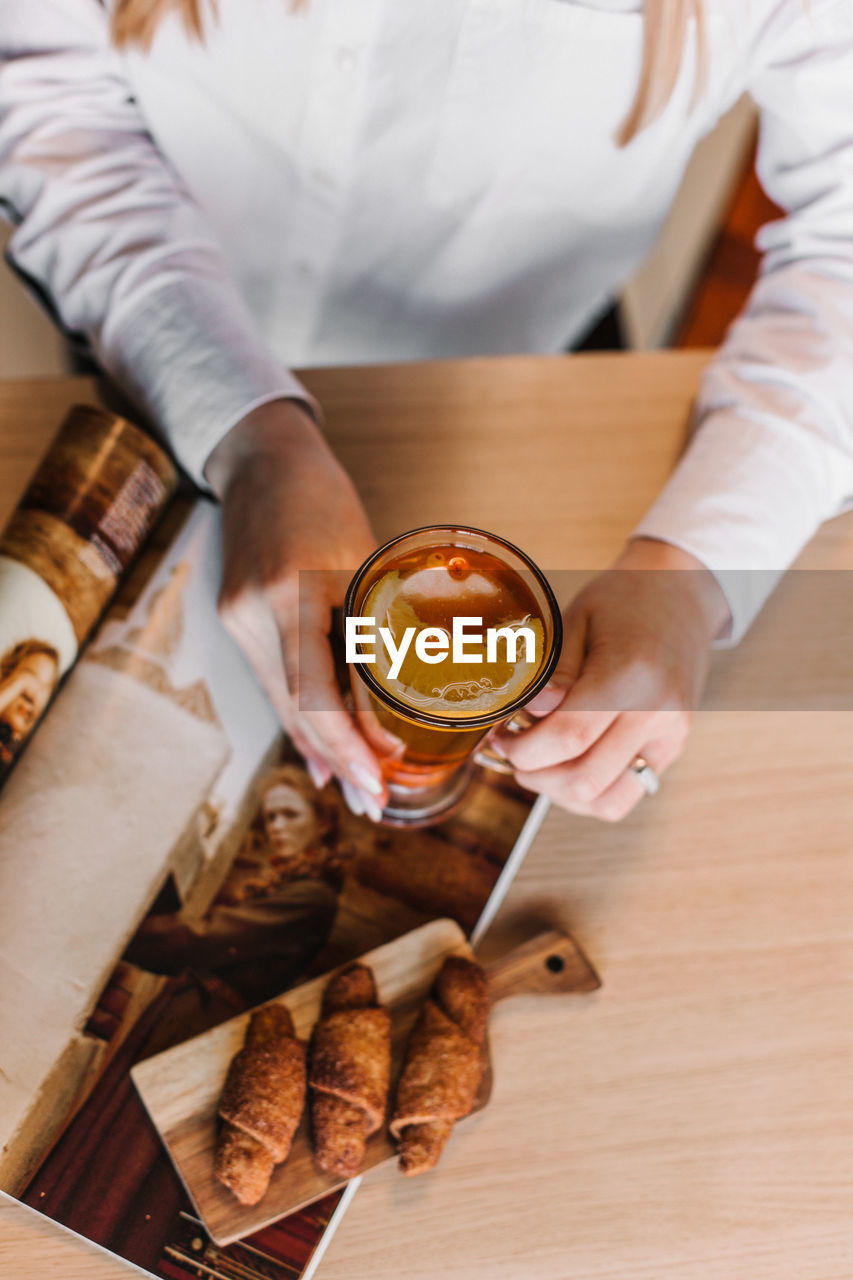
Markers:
point(449, 632)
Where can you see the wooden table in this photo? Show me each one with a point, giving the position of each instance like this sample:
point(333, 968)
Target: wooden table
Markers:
point(694, 1119)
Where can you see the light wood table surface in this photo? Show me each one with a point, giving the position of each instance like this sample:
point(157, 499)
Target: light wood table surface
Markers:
point(694, 1119)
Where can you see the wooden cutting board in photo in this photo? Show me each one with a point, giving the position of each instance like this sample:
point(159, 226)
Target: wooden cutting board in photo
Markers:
point(181, 1088)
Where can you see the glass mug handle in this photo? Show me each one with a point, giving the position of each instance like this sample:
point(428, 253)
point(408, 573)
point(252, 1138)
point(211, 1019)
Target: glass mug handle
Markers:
point(488, 758)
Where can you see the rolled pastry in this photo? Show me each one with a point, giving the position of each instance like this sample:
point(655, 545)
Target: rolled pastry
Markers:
point(261, 1104)
point(350, 1070)
point(243, 1164)
point(443, 1064)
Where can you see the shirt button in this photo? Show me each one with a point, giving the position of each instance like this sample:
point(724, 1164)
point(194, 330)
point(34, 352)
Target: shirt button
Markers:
point(323, 178)
point(303, 269)
point(346, 59)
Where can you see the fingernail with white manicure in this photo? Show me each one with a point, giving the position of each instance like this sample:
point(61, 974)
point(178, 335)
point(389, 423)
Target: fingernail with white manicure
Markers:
point(365, 778)
point(320, 773)
point(354, 797)
point(373, 809)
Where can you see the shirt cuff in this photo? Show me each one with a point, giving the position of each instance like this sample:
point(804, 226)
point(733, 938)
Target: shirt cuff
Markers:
point(743, 501)
point(194, 364)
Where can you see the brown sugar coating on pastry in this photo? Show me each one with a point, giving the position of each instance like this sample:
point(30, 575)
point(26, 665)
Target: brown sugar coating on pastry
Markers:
point(340, 1135)
point(268, 1024)
point(441, 1072)
point(352, 988)
point(423, 1145)
point(443, 1065)
point(264, 1093)
point(262, 1103)
point(350, 1070)
point(462, 992)
point(350, 1059)
point(243, 1164)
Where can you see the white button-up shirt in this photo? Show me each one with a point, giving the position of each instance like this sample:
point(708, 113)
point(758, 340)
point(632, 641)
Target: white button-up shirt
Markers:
point(367, 181)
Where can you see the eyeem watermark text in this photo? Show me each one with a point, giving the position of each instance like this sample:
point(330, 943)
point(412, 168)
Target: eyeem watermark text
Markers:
point(434, 644)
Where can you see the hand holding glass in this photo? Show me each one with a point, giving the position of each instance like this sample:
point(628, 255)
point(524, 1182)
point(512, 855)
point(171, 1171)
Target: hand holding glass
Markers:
point(472, 632)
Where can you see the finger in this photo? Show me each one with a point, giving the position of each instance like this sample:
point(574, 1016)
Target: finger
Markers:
point(627, 791)
point(531, 748)
point(249, 619)
point(566, 734)
point(386, 744)
point(250, 623)
point(621, 795)
point(359, 802)
point(319, 771)
point(583, 779)
point(607, 685)
point(312, 686)
point(568, 666)
point(547, 700)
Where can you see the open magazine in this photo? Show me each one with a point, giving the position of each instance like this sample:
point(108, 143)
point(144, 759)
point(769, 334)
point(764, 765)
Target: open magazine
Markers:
point(165, 860)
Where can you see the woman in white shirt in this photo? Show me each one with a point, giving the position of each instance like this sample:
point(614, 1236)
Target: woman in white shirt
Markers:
point(209, 197)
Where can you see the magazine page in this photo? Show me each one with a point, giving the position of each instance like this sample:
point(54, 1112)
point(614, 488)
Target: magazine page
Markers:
point(88, 509)
point(215, 877)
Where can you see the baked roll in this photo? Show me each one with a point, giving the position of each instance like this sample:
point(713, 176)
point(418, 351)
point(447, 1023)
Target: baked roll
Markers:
point(443, 1065)
point(261, 1104)
point(349, 1072)
point(243, 1164)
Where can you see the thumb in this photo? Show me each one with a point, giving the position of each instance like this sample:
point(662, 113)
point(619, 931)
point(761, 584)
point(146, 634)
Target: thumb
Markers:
point(321, 718)
point(567, 670)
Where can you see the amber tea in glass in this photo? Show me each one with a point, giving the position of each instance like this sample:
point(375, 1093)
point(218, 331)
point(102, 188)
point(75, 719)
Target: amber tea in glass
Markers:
point(426, 713)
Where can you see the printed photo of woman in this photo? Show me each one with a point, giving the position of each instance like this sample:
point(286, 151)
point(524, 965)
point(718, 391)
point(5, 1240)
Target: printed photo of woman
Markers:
point(276, 908)
point(29, 672)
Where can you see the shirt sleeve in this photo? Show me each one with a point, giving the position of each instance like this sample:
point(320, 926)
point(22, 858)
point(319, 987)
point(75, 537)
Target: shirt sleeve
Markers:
point(112, 242)
point(772, 453)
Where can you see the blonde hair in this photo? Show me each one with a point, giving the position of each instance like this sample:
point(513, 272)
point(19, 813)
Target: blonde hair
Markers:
point(665, 27)
point(136, 21)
